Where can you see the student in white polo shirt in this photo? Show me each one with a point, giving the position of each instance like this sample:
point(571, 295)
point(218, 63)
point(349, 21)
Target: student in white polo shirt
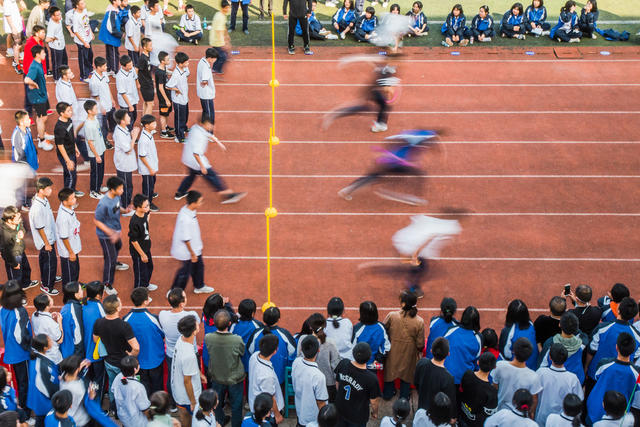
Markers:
point(190, 27)
point(263, 378)
point(69, 244)
point(95, 148)
point(100, 91)
point(124, 156)
point(55, 40)
point(309, 383)
point(133, 29)
point(44, 234)
point(205, 88)
point(184, 366)
point(186, 246)
point(148, 158)
point(127, 87)
point(179, 86)
point(194, 157)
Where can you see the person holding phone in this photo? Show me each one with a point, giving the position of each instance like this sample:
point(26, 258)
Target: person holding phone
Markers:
point(588, 315)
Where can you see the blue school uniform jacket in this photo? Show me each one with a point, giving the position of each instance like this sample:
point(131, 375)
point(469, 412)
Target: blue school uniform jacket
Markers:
point(375, 335)
point(148, 332)
point(510, 334)
point(482, 24)
point(344, 16)
point(208, 328)
point(52, 421)
point(366, 25)
point(437, 328)
point(588, 20)
point(110, 30)
point(509, 20)
point(286, 349)
point(611, 374)
point(246, 328)
point(16, 333)
point(565, 19)
point(43, 383)
point(574, 362)
point(313, 24)
point(454, 25)
point(603, 343)
point(417, 21)
point(73, 330)
point(465, 346)
point(535, 15)
point(8, 399)
point(91, 312)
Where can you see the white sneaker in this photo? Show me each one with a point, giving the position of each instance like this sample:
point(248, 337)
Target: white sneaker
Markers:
point(379, 127)
point(342, 36)
point(203, 290)
point(48, 137)
point(46, 146)
point(109, 290)
point(537, 31)
point(83, 167)
point(10, 52)
point(593, 36)
point(95, 195)
point(545, 33)
point(152, 287)
point(331, 37)
point(574, 40)
point(90, 14)
point(104, 189)
point(121, 266)
point(486, 39)
point(57, 169)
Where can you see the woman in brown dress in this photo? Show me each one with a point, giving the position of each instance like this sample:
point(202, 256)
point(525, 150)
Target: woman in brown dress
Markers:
point(406, 333)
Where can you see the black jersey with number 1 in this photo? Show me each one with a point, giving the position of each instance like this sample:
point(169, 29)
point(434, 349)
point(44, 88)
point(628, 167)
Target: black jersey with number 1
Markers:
point(356, 387)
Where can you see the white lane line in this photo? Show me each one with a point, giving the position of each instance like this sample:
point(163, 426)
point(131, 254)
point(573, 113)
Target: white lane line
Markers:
point(264, 141)
point(319, 309)
point(480, 214)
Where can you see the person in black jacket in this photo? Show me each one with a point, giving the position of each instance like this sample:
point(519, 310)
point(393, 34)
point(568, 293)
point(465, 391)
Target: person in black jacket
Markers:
point(588, 19)
point(299, 10)
point(12, 248)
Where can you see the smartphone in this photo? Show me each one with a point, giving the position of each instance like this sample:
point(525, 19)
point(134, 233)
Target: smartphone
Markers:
point(567, 289)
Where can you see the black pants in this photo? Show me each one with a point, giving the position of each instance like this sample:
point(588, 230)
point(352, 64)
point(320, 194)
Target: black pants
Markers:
point(22, 274)
point(304, 25)
point(97, 174)
point(360, 34)
point(220, 61)
point(127, 179)
point(378, 98)
point(208, 108)
point(511, 33)
point(544, 25)
point(113, 58)
point(108, 123)
point(48, 266)
point(587, 31)
point(27, 104)
point(133, 114)
point(70, 270)
point(234, 13)
point(85, 60)
point(69, 177)
point(142, 271)
point(21, 371)
point(148, 186)
point(135, 56)
point(153, 379)
point(180, 117)
point(58, 58)
point(379, 174)
point(565, 36)
point(96, 374)
point(81, 145)
point(486, 33)
point(180, 35)
point(193, 269)
point(110, 252)
point(211, 177)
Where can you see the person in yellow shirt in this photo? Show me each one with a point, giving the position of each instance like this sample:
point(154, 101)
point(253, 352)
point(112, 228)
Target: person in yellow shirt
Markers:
point(219, 37)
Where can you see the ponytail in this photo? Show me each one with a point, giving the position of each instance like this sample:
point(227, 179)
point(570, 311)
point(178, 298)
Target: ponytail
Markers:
point(124, 381)
point(335, 308)
point(572, 406)
point(207, 401)
point(159, 404)
point(335, 322)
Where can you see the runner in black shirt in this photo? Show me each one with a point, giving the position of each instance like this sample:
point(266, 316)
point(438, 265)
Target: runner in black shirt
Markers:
point(144, 76)
point(164, 100)
point(478, 398)
point(357, 388)
point(140, 244)
point(66, 146)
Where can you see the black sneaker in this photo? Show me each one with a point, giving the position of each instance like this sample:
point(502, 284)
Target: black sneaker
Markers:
point(153, 208)
point(32, 284)
point(179, 196)
point(167, 134)
point(155, 195)
point(233, 198)
point(108, 145)
point(58, 279)
point(170, 129)
point(52, 292)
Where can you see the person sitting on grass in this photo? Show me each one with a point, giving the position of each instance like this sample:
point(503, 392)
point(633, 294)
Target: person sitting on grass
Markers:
point(534, 19)
point(588, 19)
point(316, 30)
point(453, 28)
point(567, 29)
point(482, 26)
point(344, 19)
point(512, 24)
point(418, 25)
point(190, 28)
point(365, 25)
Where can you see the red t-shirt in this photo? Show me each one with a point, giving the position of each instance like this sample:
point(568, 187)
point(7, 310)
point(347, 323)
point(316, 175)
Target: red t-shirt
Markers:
point(28, 57)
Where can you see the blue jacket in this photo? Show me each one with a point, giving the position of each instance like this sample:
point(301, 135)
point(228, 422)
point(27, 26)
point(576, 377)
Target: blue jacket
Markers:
point(245, 328)
point(91, 312)
point(73, 330)
point(110, 32)
point(465, 346)
point(375, 335)
point(574, 362)
point(286, 349)
point(43, 383)
point(52, 421)
point(603, 343)
point(510, 334)
point(8, 399)
point(150, 336)
point(612, 374)
point(510, 20)
point(481, 24)
point(565, 18)
point(344, 16)
point(437, 328)
point(16, 333)
point(313, 23)
point(454, 25)
point(535, 15)
point(417, 21)
point(124, 14)
point(208, 328)
point(366, 25)
point(588, 20)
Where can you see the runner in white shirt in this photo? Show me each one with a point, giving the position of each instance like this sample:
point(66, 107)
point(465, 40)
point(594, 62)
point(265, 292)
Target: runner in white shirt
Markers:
point(124, 156)
point(148, 158)
point(205, 88)
point(44, 234)
point(69, 244)
point(127, 87)
point(50, 324)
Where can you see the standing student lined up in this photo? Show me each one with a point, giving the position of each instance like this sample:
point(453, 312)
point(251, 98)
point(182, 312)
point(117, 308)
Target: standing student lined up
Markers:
point(127, 87)
point(148, 159)
point(179, 87)
point(133, 29)
point(69, 244)
point(164, 102)
point(124, 156)
point(111, 35)
point(66, 146)
point(186, 377)
point(38, 97)
point(205, 88)
point(100, 91)
point(140, 244)
point(55, 40)
point(83, 36)
point(144, 75)
point(96, 147)
point(45, 322)
point(44, 234)
point(12, 247)
point(309, 383)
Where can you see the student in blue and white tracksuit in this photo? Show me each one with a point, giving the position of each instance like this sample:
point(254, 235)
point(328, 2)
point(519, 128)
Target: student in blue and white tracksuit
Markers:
point(205, 89)
point(286, 353)
point(454, 29)
point(365, 25)
point(573, 340)
point(589, 19)
point(344, 19)
point(92, 310)
point(535, 17)
point(439, 325)
point(371, 331)
point(567, 28)
point(246, 326)
point(43, 379)
point(482, 25)
point(111, 35)
point(16, 334)
point(72, 325)
point(418, 25)
point(465, 344)
point(149, 334)
point(517, 325)
point(512, 24)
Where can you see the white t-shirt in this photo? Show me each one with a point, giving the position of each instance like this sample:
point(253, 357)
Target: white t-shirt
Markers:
point(169, 323)
point(93, 133)
point(187, 230)
point(556, 384)
point(204, 74)
point(309, 385)
point(43, 323)
point(341, 336)
point(68, 227)
point(606, 421)
point(126, 84)
point(421, 419)
point(81, 27)
point(131, 400)
point(263, 379)
point(132, 29)
point(179, 80)
point(422, 229)
point(12, 13)
point(197, 142)
point(99, 87)
point(509, 379)
point(509, 417)
point(184, 364)
point(559, 420)
point(54, 29)
point(77, 411)
point(124, 155)
point(41, 218)
point(389, 422)
point(190, 25)
point(147, 149)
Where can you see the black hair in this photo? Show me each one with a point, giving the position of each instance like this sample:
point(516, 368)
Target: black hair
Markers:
point(517, 6)
point(176, 297)
point(569, 323)
point(522, 349)
point(487, 362)
point(615, 404)
point(61, 107)
point(160, 404)
point(222, 320)
point(40, 302)
point(65, 193)
point(193, 196)
point(317, 323)
point(541, 3)
point(409, 300)
point(111, 304)
point(448, 307)
point(70, 365)
point(628, 309)
point(147, 119)
point(53, 9)
point(162, 55)
point(138, 200)
point(208, 400)
point(394, 7)
point(335, 308)
point(3, 377)
point(212, 304)
point(584, 293)
point(36, 49)
point(440, 409)
point(247, 309)
point(310, 347)
point(262, 406)
point(572, 406)
point(401, 409)
point(63, 69)
point(114, 182)
point(557, 305)
point(594, 5)
point(94, 289)
point(12, 295)
point(522, 401)
point(39, 343)
point(128, 366)
point(361, 352)
point(440, 348)
point(43, 182)
point(517, 313)
point(486, 8)
point(224, 3)
point(124, 60)
point(270, 317)
point(61, 401)
point(89, 104)
point(567, 6)
point(120, 114)
point(368, 313)
point(145, 40)
point(152, 3)
point(489, 338)
point(370, 10)
point(187, 325)
point(417, 3)
point(558, 353)
point(470, 319)
point(626, 344)
point(69, 291)
point(99, 61)
point(181, 58)
point(134, 10)
point(189, 6)
point(210, 53)
point(268, 345)
point(457, 7)
point(351, 5)
point(139, 295)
